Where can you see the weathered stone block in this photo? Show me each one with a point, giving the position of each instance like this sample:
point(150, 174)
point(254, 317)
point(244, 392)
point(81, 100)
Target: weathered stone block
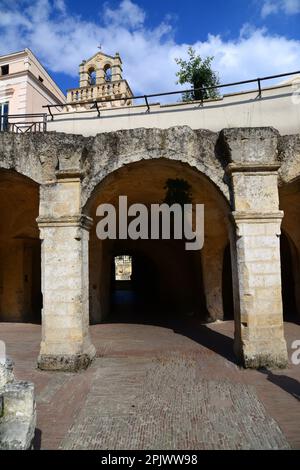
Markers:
point(18, 412)
point(249, 145)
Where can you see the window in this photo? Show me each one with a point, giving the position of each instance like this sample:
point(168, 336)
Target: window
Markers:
point(3, 116)
point(107, 73)
point(4, 69)
point(123, 268)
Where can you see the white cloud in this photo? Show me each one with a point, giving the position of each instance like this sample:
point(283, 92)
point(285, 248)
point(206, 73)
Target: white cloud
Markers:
point(60, 6)
point(289, 7)
point(62, 39)
point(128, 14)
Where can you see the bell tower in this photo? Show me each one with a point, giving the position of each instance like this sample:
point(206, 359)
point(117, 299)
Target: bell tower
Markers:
point(100, 79)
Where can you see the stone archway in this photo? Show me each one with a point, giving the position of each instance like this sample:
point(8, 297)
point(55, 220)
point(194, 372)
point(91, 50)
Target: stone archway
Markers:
point(241, 163)
point(20, 249)
point(189, 283)
point(289, 196)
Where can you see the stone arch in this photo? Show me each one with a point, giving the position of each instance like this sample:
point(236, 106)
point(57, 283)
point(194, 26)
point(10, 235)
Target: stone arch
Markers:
point(30, 155)
point(92, 75)
point(144, 181)
point(107, 72)
point(196, 149)
point(20, 258)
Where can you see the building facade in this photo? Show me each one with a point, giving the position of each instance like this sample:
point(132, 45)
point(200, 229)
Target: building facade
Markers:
point(25, 87)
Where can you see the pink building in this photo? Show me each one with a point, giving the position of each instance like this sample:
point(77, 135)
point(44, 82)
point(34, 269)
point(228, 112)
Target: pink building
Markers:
point(25, 87)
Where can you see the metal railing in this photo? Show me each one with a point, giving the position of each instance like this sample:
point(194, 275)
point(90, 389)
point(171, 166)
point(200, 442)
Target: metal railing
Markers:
point(32, 123)
point(96, 104)
point(23, 123)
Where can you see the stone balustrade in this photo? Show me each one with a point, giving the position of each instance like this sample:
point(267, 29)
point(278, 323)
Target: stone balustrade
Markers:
point(102, 92)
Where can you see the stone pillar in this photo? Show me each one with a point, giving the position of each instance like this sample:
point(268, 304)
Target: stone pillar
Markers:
point(83, 75)
point(100, 78)
point(259, 337)
point(117, 68)
point(64, 232)
point(100, 75)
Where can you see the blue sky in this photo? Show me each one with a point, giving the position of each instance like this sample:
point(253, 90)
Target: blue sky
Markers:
point(248, 38)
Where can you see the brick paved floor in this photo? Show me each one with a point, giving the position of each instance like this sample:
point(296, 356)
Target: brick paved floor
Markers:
point(160, 388)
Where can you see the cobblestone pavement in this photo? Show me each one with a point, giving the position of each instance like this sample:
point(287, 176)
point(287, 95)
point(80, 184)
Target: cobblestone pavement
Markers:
point(157, 388)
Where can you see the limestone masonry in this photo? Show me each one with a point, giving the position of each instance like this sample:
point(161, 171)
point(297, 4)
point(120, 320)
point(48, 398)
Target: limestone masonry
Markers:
point(17, 411)
point(51, 184)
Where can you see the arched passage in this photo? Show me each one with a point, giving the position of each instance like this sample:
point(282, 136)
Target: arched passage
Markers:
point(166, 278)
point(290, 250)
point(107, 73)
point(288, 271)
point(92, 76)
point(20, 249)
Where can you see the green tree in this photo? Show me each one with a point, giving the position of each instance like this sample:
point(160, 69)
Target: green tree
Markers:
point(199, 74)
point(178, 191)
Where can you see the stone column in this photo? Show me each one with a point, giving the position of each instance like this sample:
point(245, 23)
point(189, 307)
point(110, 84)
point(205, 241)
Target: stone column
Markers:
point(83, 75)
point(259, 337)
point(64, 232)
point(117, 68)
point(100, 75)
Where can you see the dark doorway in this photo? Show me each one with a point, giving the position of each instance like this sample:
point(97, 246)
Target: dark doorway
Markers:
point(20, 249)
point(227, 288)
point(288, 279)
point(135, 291)
point(165, 285)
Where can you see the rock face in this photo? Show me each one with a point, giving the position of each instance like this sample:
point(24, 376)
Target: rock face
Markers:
point(17, 411)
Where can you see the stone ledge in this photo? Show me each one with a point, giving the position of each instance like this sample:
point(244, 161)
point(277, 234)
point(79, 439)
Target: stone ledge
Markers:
point(257, 217)
point(81, 220)
point(72, 174)
point(253, 168)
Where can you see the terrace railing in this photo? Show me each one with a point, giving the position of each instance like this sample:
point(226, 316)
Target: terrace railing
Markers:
point(23, 123)
point(203, 92)
point(32, 123)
